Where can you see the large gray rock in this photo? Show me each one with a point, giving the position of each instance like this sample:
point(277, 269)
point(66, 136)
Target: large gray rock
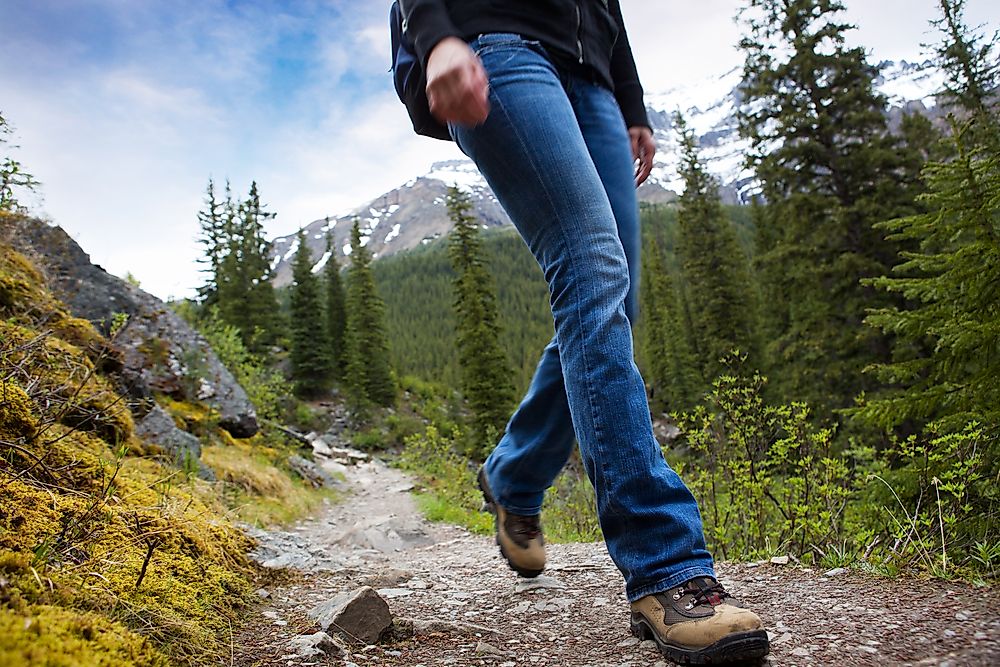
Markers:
point(158, 428)
point(162, 352)
point(359, 616)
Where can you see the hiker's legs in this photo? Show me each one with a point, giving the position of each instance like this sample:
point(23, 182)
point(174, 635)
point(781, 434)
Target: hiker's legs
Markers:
point(539, 437)
point(534, 155)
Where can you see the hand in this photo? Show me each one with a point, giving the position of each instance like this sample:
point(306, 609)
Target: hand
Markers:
point(643, 149)
point(457, 86)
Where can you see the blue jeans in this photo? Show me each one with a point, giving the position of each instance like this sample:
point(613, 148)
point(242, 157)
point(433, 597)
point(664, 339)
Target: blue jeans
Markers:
point(556, 152)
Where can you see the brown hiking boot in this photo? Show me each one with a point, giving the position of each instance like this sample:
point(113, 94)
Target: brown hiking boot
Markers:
point(699, 623)
point(519, 537)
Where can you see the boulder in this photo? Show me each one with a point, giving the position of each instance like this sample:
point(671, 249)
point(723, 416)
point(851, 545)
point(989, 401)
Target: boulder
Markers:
point(162, 352)
point(360, 616)
point(310, 472)
point(158, 428)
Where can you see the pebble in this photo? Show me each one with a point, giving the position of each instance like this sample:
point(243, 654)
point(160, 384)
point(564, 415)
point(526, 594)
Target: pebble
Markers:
point(961, 616)
point(648, 645)
point(390, 593)
point(542, 581)
point(631, 641)
point(801, 652)
point(482, 647)
point(949, 633)
point(981, 636)
point(779, 560)
point(835, 572)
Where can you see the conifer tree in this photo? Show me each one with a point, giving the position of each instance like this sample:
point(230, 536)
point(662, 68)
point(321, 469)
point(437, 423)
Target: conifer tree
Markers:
point(716, 270)
point(486, 371)
point(952, 283)
point(211, 221)
point(368, 376)
point(671, 371)
point(245, 293)
point(13, 177)
point(336, 316)
point(829, 171)
point(310, 346)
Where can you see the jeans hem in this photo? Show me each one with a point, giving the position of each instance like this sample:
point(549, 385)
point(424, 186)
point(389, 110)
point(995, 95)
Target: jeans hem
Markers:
point(667, 583)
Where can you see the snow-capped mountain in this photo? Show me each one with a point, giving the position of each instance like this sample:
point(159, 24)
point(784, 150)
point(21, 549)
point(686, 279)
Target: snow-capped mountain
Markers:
point(415, 212)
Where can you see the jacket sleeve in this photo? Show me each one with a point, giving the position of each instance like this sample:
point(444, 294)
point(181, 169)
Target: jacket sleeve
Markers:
point(426, 22)
point(628, 90)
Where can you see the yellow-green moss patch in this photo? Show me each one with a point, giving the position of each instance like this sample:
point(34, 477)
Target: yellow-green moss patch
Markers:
point(17, 419)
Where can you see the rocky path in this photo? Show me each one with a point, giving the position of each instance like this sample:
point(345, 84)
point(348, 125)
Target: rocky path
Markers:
point(455, 602)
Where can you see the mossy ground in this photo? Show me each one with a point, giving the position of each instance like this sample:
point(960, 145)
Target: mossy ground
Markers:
point(109, 557)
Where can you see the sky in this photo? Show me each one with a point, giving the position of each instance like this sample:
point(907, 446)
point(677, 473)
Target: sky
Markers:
point(123, 109)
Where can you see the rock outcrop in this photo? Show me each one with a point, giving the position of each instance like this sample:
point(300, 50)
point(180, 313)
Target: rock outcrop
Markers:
point(162, 353)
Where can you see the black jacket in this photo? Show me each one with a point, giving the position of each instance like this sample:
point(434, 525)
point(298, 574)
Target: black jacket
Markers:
point(585, 36)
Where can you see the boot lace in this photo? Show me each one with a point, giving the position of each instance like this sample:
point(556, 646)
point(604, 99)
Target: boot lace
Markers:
point(704, 590)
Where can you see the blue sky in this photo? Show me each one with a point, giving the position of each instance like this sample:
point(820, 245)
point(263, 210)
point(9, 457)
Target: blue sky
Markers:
point(124, 108)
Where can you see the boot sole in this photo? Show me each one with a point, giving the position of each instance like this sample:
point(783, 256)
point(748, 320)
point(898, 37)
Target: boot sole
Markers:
point(739, 647)
point(491, 506)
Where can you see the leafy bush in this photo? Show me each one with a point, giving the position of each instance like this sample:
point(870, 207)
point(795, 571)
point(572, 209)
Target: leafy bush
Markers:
point(766, 478)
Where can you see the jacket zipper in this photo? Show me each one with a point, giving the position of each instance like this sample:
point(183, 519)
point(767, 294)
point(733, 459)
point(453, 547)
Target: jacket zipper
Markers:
point(579, 37)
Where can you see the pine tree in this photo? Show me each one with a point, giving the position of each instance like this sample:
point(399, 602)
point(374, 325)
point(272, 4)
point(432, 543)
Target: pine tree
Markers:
point(245, 293)
point(829, 171)
point(368, 377)
point(716, 270)
point(211, 221)
point(310, 345)
point(671, 370)
point(336, 316)
point(13, 177)
point(952, 284)
point(486, 371)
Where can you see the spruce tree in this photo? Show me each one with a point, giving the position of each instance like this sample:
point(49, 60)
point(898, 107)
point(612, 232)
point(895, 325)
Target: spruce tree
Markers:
point(211, 221)
point(310, 345)
point(486, 371)
point(952, 283)
point(716, 270)
point(336, 315)
point(673, 376)
point(829, 171)
point(368, 376)
point(13, 177)
point(245, 293)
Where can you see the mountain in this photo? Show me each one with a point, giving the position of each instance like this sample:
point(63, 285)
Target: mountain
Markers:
point(414, 213)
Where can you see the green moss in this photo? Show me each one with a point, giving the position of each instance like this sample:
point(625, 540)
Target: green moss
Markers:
point(88, 401)
point(17, 418)
point(46, 635)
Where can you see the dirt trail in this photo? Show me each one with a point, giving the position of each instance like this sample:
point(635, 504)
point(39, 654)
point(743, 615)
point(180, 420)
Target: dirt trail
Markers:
point(471, 610)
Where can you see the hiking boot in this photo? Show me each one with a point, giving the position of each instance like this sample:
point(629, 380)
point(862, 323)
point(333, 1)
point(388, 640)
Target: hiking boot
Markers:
point(519, 537)
point(699, 623)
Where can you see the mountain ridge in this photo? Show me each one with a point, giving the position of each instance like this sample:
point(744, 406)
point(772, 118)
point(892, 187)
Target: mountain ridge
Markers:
point(414, 213)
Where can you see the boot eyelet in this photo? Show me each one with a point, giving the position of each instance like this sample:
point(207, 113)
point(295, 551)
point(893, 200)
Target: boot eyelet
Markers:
point(677, 596)
point(690, 606)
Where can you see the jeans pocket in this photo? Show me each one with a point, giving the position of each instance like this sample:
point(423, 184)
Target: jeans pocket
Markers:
point(502, 41)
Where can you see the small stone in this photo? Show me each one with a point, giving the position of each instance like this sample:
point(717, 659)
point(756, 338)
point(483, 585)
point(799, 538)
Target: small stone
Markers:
point(787, 637)
point(269, 614)
point(660, 664)
point(835, 572)
point(263, 593)
point(801, 652)
point(390, 593)
point(507, 664)
point(600, 602)
point(868, 649)
point(417, 585)
point(648, 645)
point(962, 616)
point(489, 649)
point(524, 585)
point(949, 633)
point(308, 646)
point(628, 643)
point(779, 560)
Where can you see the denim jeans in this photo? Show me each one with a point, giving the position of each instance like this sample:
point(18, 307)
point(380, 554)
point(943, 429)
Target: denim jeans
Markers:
point(556, 152)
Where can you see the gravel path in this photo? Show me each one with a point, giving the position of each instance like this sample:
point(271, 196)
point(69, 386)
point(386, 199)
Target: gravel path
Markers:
point(469, 609)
